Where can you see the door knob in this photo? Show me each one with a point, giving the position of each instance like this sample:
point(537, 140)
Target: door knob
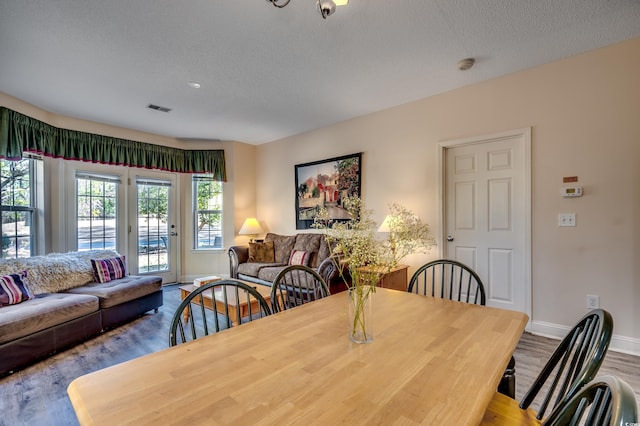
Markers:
point(173, 234)
point(450, 238)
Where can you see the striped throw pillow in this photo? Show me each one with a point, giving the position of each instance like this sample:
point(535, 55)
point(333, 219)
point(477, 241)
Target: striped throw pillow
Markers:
point(14, 288)
point(105, 270)
point(299, 257)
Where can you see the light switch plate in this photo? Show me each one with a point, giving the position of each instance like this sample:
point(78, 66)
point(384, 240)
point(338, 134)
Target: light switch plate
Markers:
point(593, 301)
point(567, 219)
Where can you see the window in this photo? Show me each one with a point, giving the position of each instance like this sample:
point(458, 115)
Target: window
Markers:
point(207, 201)
point(17, 204)
point(96, 207)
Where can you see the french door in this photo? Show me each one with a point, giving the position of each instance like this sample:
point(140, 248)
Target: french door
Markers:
point(153, 232)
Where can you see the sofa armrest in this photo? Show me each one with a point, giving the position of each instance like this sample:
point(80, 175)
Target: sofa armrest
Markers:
point(237, 255)
point(334, 272)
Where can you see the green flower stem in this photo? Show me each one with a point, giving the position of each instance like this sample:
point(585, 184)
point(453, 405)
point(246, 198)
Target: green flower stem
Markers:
point(360, 296)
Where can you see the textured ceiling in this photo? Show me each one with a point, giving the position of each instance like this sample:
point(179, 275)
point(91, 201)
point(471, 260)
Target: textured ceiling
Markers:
point(268, 73)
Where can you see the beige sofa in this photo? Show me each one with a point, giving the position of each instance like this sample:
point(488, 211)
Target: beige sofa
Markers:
point(69, 306)
point(313, 244)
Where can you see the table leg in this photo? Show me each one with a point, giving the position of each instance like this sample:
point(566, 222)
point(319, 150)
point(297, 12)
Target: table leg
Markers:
point(185, 313)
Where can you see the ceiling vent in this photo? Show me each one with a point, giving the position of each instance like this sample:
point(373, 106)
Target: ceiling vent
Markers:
point(158, 108)
point(466, 64)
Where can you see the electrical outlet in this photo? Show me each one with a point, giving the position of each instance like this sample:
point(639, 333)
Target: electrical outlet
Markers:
point(567, 219)
point(593, 301)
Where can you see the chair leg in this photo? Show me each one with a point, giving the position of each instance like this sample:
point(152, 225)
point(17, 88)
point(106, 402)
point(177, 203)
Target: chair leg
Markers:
point(507, 385)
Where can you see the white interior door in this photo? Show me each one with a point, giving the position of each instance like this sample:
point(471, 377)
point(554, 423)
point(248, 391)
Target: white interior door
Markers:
point(487, 213)
point(153, 234)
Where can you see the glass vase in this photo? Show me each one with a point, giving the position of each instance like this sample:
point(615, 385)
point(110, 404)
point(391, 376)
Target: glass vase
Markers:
point(360, 314)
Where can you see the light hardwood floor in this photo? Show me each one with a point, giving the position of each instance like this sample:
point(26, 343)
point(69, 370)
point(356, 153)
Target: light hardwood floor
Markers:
point(37, 395)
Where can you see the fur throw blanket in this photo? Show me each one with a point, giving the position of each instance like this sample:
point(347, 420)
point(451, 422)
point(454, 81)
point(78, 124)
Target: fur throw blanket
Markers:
point(56, 272)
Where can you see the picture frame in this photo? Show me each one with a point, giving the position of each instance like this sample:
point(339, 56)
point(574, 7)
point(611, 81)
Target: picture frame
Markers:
point(325, 183)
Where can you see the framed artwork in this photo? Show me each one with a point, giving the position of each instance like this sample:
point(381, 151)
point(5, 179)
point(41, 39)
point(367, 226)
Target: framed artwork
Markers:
point(324, 184)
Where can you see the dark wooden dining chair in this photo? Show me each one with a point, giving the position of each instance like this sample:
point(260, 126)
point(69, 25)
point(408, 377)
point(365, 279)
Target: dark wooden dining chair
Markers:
point(450, 279)
point(198, 315)
point(605, 401)
point(573, 364)
point(296, 285)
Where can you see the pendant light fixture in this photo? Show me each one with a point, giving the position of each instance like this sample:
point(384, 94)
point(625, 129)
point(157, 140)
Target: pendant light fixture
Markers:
point(325, 7)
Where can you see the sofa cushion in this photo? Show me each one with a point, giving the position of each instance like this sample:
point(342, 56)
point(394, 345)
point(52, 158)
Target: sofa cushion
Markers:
point(261, 252)
point(121, 290)
point(310, 243)
point(269, 273)
point(14, 288)
point(282, 245)
point(111, 268)
point(42, 312)
point(323, 252)
point(252, 269)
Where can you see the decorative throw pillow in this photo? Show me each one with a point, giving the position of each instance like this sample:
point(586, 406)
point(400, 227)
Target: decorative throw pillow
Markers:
point(299, 257)
point(14, 288)
point(112, 268)
point(261, 252)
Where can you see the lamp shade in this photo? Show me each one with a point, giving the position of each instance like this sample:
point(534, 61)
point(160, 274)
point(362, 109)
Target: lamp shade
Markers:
point(251, 226)
point(384, 226)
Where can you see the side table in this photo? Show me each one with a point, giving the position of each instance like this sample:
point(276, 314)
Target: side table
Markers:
point(396, 279)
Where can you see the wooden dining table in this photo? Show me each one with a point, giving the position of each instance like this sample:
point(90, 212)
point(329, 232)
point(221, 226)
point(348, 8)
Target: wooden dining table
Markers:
point(431, 361)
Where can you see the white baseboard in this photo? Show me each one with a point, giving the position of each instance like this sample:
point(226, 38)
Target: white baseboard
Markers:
point(623, 344)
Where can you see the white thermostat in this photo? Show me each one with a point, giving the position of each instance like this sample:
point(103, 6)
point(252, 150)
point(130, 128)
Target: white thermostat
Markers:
point(572, 191)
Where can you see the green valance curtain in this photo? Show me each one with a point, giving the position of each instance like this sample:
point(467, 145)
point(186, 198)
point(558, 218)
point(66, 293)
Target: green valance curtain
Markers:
point(19, 133)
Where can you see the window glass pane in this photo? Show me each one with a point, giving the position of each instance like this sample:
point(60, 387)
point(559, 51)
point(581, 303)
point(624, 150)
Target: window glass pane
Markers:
point(96, 206)
point(208, 212)
point(17, 207)
point(153, 228)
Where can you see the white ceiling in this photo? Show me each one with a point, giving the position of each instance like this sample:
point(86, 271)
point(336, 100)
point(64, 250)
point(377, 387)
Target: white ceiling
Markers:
point(268, 73)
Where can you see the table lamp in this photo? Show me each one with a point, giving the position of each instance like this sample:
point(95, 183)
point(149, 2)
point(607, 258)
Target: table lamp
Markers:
point(385, 227)
point(250, 227)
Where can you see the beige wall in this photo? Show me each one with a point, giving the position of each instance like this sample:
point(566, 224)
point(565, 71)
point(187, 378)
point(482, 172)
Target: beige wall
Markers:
point(238, 204)
point(585, 118)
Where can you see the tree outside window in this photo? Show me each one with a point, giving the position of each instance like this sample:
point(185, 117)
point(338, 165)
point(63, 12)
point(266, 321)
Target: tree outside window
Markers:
point(96, 206)
point(17, 207)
